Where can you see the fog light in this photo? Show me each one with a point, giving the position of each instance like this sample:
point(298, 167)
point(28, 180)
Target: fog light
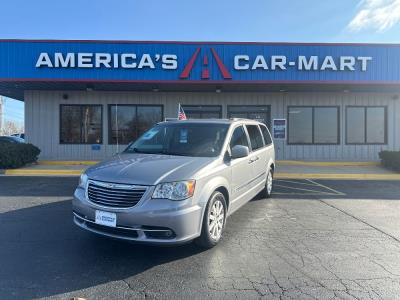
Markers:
point(162, 234)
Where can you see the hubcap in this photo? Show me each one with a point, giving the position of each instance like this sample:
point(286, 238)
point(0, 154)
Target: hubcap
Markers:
point(216, 220)
point(269, 183)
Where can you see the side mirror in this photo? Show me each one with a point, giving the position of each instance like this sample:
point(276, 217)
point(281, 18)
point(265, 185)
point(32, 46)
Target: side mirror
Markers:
point(239, 151)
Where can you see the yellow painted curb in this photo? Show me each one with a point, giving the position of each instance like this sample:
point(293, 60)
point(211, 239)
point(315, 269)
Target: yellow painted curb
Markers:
point(337, 176)
point(328, 163)
point(33, 172)
point(67, 162)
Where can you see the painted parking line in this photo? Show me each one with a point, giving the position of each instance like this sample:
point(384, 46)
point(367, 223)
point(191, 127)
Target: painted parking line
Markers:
point(301, 189)
point(304, 187)
point(327, 187)
point(295, 182)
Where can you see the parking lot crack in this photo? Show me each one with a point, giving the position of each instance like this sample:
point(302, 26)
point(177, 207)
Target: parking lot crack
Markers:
point(360, 220)
point(384, 268)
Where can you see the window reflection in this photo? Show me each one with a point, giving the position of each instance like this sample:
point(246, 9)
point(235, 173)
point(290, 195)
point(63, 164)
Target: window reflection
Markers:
point(326, 124)
point(366, 125)
point(203, 111)
point(81, 124)
point(300, 125)
point(128, 122)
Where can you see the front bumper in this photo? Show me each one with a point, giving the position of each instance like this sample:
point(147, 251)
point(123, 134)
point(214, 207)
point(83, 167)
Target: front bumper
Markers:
point(154, 221)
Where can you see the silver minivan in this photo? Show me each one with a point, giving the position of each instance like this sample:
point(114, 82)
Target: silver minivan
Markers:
point(178, 182)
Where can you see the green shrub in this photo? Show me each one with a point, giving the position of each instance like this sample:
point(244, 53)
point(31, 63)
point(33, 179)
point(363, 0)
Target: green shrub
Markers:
point(390, 159)
point(17, 155)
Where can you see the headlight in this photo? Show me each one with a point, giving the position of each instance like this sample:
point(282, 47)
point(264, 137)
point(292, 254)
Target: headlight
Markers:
point(83, 180)
point(174, 190)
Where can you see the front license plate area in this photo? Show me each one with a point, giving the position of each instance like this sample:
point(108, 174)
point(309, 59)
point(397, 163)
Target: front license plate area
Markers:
point(106, 218)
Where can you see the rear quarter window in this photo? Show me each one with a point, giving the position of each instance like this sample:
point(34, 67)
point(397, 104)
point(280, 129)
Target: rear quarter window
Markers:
point(256, 139)
point(266, 134)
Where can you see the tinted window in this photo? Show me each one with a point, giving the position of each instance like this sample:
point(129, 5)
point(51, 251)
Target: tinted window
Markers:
point(185, 139)
point(256, 139)
point(259, 113)
point(313, 125)
point(81, 124)
point(239, 137)
point(202, 111)
point(366, 125)
point(376, 125)
point(300, 125)
point(326, 124)
point(355, 119)
point(128, 122)
point(266, 135)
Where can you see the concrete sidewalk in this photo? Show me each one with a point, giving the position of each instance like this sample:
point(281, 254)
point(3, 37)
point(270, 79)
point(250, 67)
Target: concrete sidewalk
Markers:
point(334, 170)
point(284, 170)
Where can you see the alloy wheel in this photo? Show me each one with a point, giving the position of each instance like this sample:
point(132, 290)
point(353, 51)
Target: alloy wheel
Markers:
point(269, 183)
point(216, 219)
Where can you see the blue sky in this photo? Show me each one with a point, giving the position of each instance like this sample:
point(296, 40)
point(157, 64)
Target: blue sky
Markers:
point(206, 20)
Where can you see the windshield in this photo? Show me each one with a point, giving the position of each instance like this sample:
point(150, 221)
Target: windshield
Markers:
point(187, 139)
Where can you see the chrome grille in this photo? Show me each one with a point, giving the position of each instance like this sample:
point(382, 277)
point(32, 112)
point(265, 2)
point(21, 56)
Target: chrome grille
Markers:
point(114, 194)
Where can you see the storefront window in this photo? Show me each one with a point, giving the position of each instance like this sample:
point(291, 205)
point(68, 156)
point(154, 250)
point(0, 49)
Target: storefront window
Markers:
point(300, 125)
point(81, 124)
point(366, 125)
point(313, 125)
point(261, 113)
point(355, 120)
point(203, 111)
point(326, 125)
point(128, 122)
point(376, 125)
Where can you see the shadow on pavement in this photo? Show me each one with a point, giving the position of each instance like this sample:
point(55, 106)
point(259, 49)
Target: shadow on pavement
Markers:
point(337, 189)
point(42, 253)
point(17, 186)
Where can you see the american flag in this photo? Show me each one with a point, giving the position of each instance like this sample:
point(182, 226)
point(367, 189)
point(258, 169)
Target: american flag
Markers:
point(181, 113)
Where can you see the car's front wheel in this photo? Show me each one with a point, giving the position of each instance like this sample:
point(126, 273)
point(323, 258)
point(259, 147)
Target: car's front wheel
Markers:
point(213, 221)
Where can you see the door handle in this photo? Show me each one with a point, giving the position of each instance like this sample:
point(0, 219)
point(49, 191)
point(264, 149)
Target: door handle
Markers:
point(253, 160)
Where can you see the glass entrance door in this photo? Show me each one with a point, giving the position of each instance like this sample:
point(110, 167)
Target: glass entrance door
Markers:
point(261, 113)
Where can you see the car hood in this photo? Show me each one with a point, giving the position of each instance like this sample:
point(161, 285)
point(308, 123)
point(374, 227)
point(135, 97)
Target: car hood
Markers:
point(147, 169)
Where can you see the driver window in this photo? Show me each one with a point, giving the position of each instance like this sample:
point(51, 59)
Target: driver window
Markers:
point(239, 138)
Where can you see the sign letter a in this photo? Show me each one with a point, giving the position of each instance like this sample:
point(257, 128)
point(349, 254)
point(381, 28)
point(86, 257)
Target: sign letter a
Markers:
point(44, 61)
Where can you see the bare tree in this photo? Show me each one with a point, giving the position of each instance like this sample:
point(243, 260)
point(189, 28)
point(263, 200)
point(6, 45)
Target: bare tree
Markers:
point(11, 127)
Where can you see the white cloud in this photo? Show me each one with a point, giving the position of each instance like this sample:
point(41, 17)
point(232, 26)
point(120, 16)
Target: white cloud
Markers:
point(379, 15)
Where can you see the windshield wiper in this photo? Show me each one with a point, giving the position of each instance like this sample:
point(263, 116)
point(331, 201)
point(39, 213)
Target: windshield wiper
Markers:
point(136, 150)
point(164, 152)
point(177, 154)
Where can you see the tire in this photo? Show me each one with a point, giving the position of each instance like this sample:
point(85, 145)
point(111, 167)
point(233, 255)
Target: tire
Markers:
point(210, 236)
point(269, 184)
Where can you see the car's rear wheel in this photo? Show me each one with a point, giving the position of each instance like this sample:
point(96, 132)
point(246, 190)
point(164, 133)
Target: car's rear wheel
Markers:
point(213, 221)
point(269, 184)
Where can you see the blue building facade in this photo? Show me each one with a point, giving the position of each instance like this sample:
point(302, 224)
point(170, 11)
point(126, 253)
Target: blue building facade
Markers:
point(326, 101)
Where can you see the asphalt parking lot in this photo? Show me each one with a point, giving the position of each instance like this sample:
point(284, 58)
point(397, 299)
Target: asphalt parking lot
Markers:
point(312, 239)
